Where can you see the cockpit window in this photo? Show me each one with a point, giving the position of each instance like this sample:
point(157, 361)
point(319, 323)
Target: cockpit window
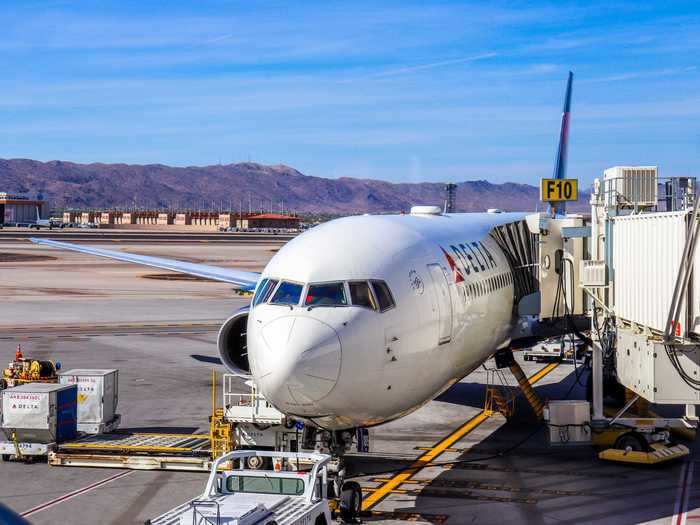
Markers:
point(361, 295)
point(264, 290)
point(287, 293)
point(383, 295)
point(327, 294)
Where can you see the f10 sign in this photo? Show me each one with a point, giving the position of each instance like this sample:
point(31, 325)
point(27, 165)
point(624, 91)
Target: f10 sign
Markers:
point(553, 190)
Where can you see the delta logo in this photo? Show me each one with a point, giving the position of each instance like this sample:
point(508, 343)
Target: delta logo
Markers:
point(456, 272)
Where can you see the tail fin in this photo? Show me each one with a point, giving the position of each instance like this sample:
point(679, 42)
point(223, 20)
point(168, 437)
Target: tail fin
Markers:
point(560, 163)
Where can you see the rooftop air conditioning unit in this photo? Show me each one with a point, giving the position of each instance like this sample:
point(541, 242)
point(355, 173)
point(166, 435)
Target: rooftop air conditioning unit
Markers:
point(631, 186)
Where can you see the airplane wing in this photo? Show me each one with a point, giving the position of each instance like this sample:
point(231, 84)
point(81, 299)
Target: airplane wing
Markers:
point(241, 278)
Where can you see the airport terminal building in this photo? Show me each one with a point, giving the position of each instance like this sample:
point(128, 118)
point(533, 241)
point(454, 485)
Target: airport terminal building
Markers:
point(15, 209)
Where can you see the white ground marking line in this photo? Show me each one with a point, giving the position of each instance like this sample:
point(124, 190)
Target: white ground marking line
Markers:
point(679, 493)
point(74, 494)
point(680, 510)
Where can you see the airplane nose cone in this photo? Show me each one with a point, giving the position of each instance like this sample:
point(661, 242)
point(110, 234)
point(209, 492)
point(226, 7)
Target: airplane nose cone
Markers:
point(298, 362)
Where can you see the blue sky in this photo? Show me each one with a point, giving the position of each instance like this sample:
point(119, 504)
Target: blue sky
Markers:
point(398, 91)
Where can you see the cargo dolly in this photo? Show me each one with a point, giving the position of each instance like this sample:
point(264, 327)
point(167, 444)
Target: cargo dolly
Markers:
point(139, 451)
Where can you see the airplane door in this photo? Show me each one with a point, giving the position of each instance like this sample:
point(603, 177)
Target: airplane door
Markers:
point(444, 302)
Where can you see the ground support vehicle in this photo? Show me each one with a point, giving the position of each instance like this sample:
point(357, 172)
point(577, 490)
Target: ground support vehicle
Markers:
point(554, 350)
point(286, 495)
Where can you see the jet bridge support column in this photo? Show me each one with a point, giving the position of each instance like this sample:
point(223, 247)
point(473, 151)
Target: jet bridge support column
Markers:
point(597, 246)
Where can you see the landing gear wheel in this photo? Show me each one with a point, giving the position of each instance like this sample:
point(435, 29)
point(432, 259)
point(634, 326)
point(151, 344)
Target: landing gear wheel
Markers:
point(633, 441)
point(254, 462)
point(350, 501)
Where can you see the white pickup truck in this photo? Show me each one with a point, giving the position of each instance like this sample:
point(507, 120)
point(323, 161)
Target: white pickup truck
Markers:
point(293, 493)
point(556, 348)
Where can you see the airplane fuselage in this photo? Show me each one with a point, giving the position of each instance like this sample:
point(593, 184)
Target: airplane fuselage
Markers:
point(327, 345)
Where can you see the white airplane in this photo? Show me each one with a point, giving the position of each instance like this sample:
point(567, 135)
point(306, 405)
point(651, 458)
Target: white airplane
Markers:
point(364, 319)
point(43, 223)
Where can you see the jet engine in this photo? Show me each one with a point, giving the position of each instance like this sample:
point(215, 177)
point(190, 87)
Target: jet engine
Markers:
point(232, 343)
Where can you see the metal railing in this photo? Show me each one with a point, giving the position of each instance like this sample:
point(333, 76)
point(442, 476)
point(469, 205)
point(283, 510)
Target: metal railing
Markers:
point(198, 518)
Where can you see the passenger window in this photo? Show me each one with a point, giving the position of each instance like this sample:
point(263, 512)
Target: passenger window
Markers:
point(332, 294)
point(383, 295)
point(264, 290)
point(287, 293)
point(361, 295)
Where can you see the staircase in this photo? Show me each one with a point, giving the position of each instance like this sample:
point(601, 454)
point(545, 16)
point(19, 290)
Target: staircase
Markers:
point(500, 397)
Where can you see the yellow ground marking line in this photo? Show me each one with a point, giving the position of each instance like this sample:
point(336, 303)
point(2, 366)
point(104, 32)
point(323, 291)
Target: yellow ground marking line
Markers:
point(407, 482)
point(447, 450)
point(423, 460)
point(546, 370)
point(426, 458)
point(396, 491)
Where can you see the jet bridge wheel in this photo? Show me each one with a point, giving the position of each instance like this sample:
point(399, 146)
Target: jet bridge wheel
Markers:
point(350, 501)
point(632, 440)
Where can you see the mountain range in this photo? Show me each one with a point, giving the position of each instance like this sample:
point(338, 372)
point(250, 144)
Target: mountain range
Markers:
point(244, 185)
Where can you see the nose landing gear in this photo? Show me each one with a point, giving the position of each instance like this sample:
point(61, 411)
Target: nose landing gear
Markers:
point(350, 501)
point(346, 494)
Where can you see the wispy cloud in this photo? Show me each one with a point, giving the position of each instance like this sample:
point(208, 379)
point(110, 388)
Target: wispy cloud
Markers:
point(433, 65)
point(644, 74)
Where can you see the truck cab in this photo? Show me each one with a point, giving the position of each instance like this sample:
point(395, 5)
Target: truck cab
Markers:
point(295, 491)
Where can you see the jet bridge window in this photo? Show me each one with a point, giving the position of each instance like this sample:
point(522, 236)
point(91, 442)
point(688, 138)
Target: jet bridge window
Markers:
point(264, 291)
point(287, 293)
point(361, 295)
point(383, 295)
point(326, 294)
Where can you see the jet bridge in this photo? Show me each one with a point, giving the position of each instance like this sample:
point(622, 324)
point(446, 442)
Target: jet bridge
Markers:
point(544, 254)
point(628, 277)
point(635, 276)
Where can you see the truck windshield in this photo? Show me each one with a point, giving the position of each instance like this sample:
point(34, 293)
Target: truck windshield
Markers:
point(265, 485)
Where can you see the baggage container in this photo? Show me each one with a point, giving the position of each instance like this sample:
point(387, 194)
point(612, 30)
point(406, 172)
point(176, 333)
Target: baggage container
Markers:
point(98, 395)
point(40, 412)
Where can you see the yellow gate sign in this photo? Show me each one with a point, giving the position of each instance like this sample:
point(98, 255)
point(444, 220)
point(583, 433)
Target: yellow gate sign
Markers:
point(554, 190)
